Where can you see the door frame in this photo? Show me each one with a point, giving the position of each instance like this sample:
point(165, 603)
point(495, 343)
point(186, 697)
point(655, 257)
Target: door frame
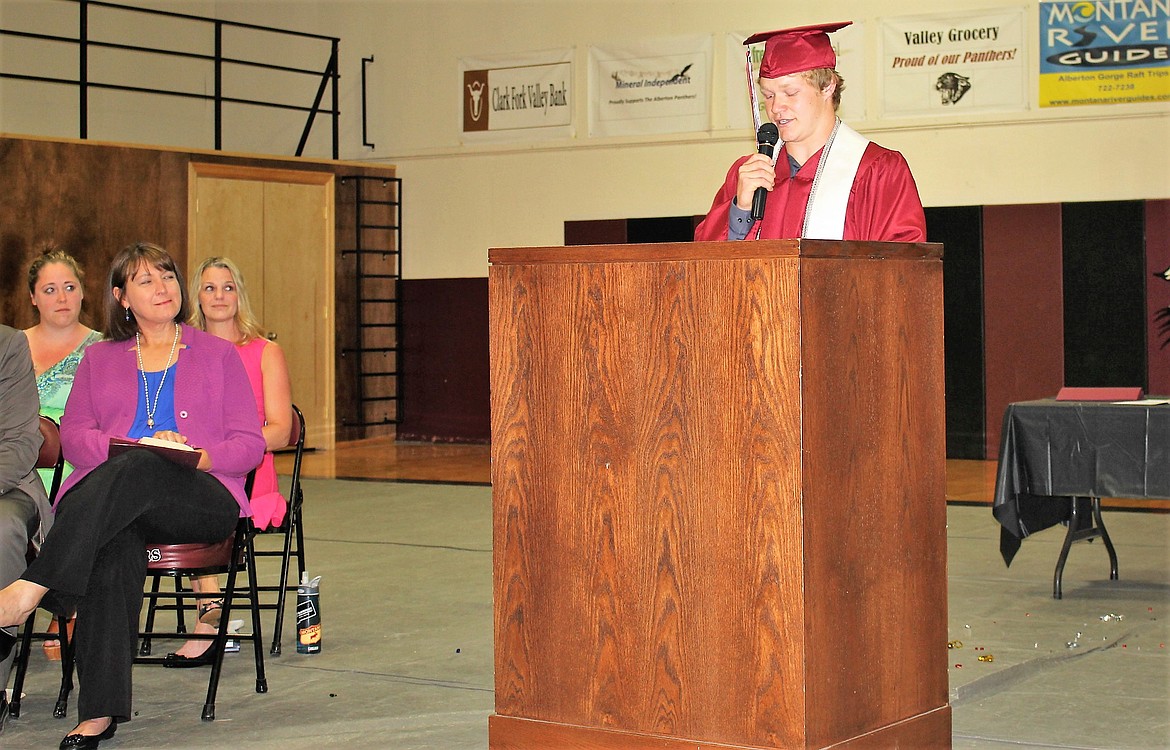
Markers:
point(325, 434)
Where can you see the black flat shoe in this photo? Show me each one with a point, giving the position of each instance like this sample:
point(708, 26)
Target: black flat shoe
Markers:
point(7, 641)
point(88, 741)
point(178, 661)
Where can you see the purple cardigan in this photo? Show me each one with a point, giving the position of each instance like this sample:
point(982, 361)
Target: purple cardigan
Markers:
point(211, 393)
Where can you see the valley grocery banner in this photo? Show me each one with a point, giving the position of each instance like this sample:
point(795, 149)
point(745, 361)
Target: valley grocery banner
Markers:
point(1110, 52)
point(517, 98)
point(655, 86)
point(848, 45)
point(954, 63)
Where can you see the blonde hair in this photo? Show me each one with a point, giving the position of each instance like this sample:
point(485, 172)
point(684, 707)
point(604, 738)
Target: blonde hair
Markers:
point(819, 78)
point(250, 328)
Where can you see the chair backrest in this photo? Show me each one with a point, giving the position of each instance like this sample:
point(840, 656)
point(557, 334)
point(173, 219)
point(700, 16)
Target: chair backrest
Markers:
point(296, 435)
point(50, 456)
point(296, 438)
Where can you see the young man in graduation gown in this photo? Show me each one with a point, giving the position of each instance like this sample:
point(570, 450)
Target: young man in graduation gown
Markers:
point(827, 181)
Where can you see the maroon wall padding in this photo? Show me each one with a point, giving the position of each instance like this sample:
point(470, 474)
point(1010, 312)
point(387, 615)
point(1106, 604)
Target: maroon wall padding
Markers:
point(1023, 309)
point(444, 367)
point(596, 232)
point(1157, 294)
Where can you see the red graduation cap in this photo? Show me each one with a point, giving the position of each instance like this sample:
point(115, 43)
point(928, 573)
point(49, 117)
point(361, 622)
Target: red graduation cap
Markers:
point(795, 50)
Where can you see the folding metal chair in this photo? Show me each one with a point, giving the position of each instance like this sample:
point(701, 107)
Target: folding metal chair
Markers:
point(178, 560)
point(292, 529)
point(49, 458)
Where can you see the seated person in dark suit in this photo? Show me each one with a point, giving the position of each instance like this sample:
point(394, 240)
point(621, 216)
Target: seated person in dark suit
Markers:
point(24, 510)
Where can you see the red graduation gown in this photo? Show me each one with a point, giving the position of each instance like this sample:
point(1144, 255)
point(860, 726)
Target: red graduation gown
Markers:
point(883, 204)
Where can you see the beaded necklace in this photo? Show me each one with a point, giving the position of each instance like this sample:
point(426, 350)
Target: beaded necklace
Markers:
point(812, 193)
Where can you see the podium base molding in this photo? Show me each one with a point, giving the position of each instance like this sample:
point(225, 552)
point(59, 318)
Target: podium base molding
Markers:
point(931, 729)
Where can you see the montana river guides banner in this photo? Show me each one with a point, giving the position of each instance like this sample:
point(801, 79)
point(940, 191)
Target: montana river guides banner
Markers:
point(1113, 52)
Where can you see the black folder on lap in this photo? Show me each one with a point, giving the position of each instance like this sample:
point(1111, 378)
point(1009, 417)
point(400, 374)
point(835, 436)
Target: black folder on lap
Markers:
point(183, 456)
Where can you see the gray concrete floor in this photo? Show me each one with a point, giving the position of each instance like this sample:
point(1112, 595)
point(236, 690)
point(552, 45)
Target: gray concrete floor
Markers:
point(407, 657)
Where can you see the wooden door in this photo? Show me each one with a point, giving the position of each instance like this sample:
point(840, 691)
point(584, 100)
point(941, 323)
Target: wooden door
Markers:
point(277, 225)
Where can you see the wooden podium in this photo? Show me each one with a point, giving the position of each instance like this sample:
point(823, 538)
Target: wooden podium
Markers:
point(719, 510)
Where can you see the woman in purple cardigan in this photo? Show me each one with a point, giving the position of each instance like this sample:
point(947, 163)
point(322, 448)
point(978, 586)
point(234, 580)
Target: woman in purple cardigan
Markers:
point(151, 377)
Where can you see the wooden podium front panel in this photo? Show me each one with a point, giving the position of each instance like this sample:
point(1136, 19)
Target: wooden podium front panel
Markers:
point(643, 581)
point(875, 495)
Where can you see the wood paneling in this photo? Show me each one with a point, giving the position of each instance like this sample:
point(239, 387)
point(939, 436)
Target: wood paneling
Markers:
point(932, 730)
point(93, 199)
point(874, 493)
point(371, 418)
point(685, 546)
point(621, 388)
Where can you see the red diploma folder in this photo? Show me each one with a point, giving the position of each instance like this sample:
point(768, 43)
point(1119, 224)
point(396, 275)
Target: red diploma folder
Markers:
point(1099, 394)
point(181, 454)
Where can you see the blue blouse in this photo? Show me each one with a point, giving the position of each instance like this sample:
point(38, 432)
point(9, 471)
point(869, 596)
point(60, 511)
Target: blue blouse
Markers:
point(164, 409)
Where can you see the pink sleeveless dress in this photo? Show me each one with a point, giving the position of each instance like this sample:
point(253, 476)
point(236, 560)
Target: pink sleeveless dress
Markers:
point(268, 505)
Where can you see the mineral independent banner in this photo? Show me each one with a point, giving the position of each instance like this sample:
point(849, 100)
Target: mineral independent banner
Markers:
point(651, 86)
point(1110, 52)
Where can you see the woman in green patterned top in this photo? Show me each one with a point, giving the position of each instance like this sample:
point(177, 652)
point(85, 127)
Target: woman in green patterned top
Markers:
point(57, 343)
point(58, 339)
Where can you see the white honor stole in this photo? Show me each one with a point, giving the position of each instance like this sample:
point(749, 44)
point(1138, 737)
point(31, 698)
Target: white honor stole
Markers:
point(824, 216)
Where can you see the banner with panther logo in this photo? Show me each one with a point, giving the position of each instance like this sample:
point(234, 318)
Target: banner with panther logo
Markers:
point(517, 98)
point(1109, 52)
point(954, 63)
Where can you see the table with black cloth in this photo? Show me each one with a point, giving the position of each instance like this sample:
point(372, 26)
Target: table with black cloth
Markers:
point(1058, 458)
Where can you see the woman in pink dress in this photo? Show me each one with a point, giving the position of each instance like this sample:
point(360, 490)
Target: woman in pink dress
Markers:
point(223, 310)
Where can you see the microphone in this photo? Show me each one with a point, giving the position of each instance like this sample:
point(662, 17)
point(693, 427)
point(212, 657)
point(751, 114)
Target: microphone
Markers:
point(766, 140)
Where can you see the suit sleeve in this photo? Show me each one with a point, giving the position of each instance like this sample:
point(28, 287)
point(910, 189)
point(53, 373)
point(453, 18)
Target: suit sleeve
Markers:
point(20, 433)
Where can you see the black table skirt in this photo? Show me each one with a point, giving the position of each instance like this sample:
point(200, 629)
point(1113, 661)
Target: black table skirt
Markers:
point(1050, 450)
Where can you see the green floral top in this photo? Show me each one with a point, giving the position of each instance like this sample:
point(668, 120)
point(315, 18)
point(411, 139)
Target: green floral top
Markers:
point(53, 386)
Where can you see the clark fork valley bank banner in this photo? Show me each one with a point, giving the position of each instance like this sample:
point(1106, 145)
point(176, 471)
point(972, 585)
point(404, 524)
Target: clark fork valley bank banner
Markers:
point(954, 63)
point(1109, 52)
point(519, 98)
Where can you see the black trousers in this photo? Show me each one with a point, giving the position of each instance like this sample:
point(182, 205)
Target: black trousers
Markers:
point(94, 560)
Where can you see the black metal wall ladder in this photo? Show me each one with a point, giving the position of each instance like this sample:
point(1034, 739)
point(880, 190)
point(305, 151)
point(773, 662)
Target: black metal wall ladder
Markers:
point(377, 253)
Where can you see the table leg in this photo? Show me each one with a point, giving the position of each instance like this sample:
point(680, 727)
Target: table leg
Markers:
point(1087, 515)
point(1105, 539)
point(1069, 537)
